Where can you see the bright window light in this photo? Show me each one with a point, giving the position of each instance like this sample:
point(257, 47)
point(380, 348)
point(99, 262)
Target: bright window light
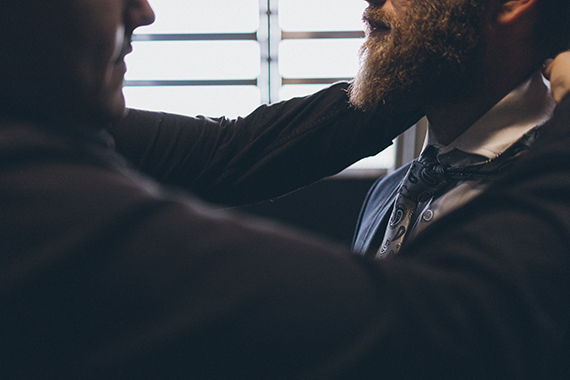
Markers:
point(196, 100)
point(319, 58)
point(204, 16)
point(226, 57)
point(182, 60)
point(321, 15)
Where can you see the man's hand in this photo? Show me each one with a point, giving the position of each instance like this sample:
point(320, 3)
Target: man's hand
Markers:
point(558, 72)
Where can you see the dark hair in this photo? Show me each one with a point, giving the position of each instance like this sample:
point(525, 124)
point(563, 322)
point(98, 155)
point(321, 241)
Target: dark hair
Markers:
point(553, 27)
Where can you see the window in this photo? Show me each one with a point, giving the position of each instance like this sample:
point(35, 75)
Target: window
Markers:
point(226, 57)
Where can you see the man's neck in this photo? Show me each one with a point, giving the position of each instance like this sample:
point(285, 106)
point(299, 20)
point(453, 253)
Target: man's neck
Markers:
point(449, 119)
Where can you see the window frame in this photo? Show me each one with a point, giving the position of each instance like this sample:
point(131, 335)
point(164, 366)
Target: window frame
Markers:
point(269, 82)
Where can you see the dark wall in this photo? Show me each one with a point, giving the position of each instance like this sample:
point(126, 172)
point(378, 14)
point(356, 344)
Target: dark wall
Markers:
point(329, 207)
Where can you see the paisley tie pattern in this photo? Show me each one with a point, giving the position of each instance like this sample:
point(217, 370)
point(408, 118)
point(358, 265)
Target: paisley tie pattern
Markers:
point(427, 178)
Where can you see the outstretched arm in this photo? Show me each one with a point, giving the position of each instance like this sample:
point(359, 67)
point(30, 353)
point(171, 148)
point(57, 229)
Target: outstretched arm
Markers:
point(276, 149)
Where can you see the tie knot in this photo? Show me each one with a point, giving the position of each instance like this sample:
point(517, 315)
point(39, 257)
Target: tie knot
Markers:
point(425, 178)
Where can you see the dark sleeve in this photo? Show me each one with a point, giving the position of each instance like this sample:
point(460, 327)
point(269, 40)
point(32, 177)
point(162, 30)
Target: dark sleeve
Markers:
point(484, 294)
point(272, 151)
point(173, 290)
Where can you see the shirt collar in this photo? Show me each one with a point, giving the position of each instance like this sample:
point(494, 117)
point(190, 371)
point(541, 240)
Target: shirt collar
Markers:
point(528, 105)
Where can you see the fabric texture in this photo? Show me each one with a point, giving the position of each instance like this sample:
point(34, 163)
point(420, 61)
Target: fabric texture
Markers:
point(104, 274)
point(427, 178)
point(496, 136)
point(274, 150)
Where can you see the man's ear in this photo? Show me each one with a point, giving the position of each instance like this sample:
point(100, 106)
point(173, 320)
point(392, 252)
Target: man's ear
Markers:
point(513, 10)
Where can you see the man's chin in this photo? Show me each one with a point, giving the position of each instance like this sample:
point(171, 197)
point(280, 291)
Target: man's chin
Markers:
point(384, 80)
point(102, 117)
point(114, 110)
point(367, 99)
point(363, 95)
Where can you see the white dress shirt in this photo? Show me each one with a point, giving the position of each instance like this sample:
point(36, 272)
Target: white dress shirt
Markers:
point(527, 106)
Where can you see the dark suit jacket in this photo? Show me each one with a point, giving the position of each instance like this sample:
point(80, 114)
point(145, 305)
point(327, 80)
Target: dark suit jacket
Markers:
point(377, 207)
point(105, 274)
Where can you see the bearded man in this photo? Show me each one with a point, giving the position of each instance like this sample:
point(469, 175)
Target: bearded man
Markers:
point(474, 68)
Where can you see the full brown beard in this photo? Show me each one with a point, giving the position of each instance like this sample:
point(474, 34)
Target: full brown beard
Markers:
point(433, 53)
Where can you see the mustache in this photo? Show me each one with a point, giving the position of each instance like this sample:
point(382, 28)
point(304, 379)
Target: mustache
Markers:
point(376, 18)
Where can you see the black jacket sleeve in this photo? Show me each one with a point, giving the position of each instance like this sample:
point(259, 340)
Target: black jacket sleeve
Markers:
point(274, 150)
point(483, 294)
point(105, 275)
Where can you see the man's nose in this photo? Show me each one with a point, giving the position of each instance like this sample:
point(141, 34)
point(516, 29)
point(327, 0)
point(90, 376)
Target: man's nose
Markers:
point(139, 13)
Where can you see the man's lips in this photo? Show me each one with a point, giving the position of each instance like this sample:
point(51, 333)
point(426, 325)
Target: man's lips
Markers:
point(127, 49)
point(376, 26)
point(122, 45)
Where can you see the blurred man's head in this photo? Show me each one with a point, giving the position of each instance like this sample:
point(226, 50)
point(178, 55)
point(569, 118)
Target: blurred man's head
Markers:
point(64, 59)
point(434, 49)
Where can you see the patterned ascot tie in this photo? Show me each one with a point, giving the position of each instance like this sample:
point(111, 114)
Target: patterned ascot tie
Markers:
point(426, 178)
